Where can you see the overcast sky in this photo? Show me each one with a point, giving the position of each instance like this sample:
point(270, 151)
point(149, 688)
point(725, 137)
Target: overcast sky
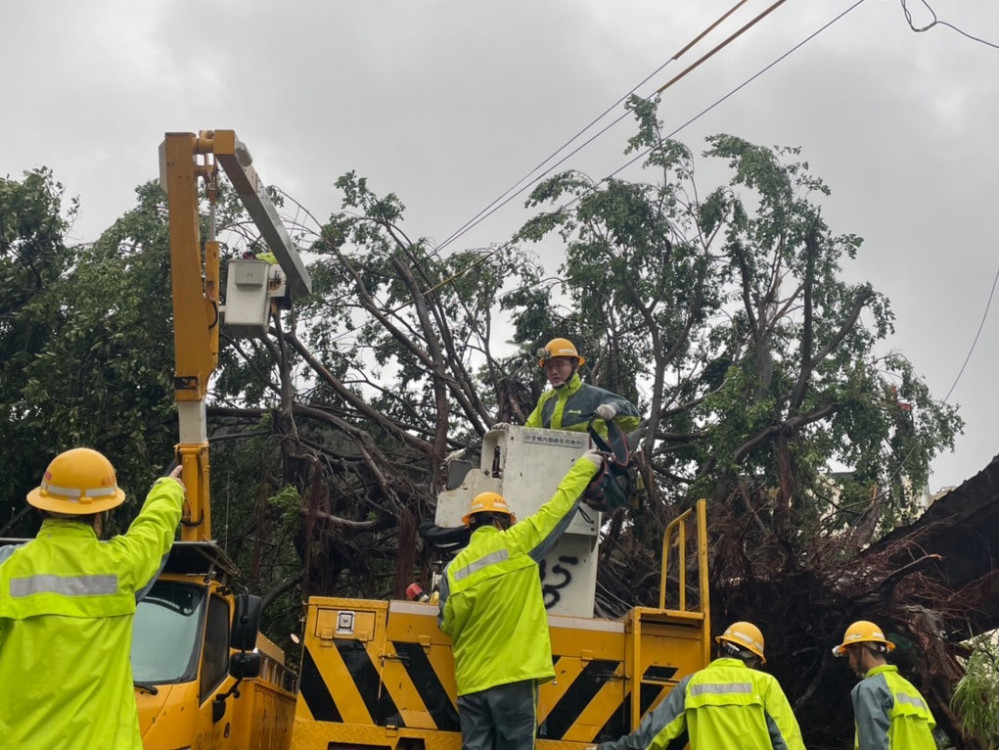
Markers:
point(448, 103)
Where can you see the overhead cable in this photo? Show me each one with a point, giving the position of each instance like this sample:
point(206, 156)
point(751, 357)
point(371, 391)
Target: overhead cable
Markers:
point(974, 343)
point(721, 45)
point(516, 189)
point(710, 107)
point(937, 22)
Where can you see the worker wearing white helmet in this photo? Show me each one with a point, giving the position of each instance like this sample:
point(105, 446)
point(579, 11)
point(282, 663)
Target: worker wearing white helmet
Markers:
point(67, 601)
point(728, 704)
point(888, 712)
point(571, 403)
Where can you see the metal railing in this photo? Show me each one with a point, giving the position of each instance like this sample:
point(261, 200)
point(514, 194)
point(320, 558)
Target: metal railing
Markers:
point(678, 529)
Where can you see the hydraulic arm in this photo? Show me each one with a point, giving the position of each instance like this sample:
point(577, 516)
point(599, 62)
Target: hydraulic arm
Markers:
point(185, 160)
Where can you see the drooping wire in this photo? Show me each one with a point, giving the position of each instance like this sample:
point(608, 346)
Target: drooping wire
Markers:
point(937, 22)
point(978, 333)
point(971, 350)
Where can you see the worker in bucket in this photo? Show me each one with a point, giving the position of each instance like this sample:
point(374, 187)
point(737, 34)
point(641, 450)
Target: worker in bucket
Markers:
point(571, 403)
point(67, 601)
point(728, 704)
point(492, 607)
point(888, 712)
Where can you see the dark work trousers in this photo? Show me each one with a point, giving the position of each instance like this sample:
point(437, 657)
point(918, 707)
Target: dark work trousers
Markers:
point(504, 717)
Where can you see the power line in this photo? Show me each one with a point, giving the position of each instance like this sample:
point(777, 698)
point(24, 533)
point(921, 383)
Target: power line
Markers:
point(717, 102)
point(721, 45)
point(519, 187)
point(937, 22)
point(529, 178)
point(978, 333)
point(981, 325)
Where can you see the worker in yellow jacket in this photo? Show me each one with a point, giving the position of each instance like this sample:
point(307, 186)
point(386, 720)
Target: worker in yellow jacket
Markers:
point(67, 601)
point(728, 704)
point(491, 604)
point(571, 403)
point(888, 712)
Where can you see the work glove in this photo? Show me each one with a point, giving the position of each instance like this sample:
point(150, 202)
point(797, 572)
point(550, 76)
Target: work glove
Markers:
point(501, 425)
point(595, 456)
point(606, 412)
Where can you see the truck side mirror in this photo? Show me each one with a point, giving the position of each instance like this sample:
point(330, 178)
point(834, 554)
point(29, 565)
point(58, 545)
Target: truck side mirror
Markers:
point(247, 663)
point(246, 622)
point(242, 666)
point(245, 666)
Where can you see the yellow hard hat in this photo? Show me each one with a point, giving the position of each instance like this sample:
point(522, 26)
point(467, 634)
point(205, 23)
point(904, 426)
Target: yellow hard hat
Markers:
point(744, 635)
point(862, 631)
point(559, 348)
point(78, 482)
point(488, 502)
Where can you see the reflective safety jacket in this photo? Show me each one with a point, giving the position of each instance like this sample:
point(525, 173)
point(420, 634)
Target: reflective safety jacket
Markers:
point(570, 407)
point(67, 601)
point(890, 714)
point(725, 705)
point(490, 599)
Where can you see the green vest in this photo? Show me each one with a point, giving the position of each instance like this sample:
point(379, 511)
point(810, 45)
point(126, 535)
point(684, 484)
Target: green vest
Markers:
point(491, 602)
point(725, 705)
point(67, 601)
point(890, 714)
point(571, 406)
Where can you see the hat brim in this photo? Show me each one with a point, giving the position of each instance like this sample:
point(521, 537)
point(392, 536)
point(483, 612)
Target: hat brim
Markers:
point(840, 650)
point(720, 638)
point(86, 506)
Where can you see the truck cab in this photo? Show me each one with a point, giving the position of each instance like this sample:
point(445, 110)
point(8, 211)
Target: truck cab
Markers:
point(194, 640)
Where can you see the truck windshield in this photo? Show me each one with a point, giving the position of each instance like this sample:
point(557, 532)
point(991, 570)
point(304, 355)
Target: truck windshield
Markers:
point(166, 634)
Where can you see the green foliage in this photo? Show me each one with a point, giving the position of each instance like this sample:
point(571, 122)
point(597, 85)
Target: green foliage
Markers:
point(105, 377)
point(88, 341)
point(976, 697)
point(287, 501)
point(33, 259)
point(416, 324)
point(758, 363)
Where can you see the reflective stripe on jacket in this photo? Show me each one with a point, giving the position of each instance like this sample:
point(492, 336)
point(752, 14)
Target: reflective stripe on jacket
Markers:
point(67, 602)
point(570, 407)
point(890, 714)
point(491, 602)
point(724, 705)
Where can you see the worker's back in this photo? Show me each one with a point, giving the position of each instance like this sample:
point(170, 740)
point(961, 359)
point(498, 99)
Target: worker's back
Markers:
point(67, 602)
point(495, 614)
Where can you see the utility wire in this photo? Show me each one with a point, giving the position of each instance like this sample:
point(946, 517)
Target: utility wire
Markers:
point(721, 45)
point(501, 201)
point(717, 102)
point(978, 333)
point(964, 365)
point(937, 22)
point(519, 187)
point(513, 191)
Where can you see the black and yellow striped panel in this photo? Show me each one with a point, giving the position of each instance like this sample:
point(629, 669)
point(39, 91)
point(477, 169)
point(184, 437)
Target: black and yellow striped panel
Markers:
point(398, 673)
point(387, 665)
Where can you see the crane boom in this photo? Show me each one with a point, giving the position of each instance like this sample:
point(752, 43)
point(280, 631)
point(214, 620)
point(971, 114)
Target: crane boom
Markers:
point(186, 158)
